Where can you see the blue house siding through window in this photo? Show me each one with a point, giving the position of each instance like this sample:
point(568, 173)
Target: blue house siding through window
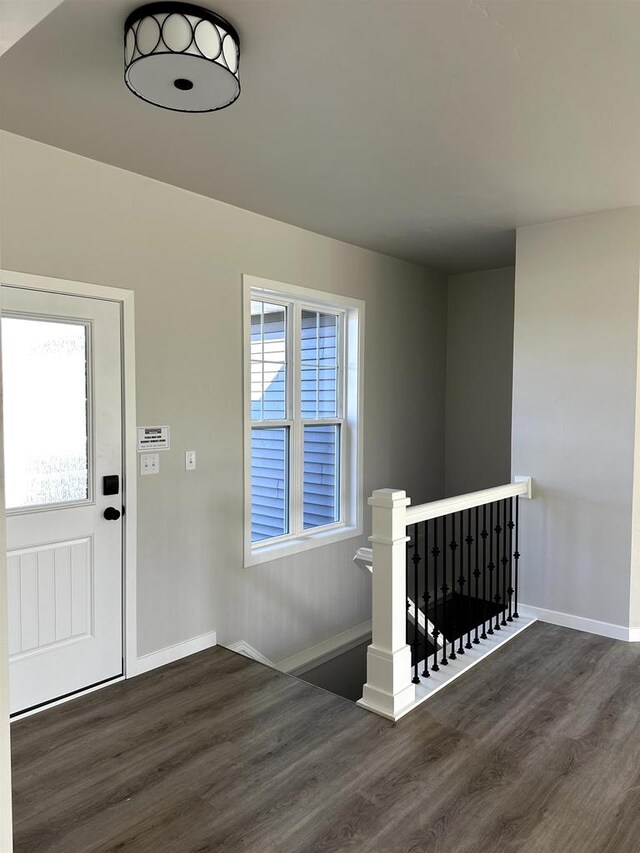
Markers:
point(270, 445)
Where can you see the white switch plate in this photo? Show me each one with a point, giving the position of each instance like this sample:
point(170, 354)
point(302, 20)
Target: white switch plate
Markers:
point(149, 463)
point(190, 460)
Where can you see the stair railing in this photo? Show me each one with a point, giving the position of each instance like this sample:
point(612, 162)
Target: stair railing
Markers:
point(452, 567)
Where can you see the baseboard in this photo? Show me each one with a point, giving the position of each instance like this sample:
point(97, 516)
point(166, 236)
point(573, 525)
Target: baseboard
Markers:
point(243, 648)
point(581, 623)
point(325, 650)
point(172, 653)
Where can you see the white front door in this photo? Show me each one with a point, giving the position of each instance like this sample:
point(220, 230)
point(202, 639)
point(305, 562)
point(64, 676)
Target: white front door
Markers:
point(62, 384)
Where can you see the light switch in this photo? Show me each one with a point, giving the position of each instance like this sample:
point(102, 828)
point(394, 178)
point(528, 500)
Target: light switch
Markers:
point(149, 463)
point(190, 460)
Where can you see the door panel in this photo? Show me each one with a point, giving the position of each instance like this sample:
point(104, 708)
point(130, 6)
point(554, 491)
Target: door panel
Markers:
point(50, 596)
point(63, 433)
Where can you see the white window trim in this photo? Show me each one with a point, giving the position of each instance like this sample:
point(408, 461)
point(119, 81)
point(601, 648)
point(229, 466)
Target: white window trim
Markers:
point(352, 479)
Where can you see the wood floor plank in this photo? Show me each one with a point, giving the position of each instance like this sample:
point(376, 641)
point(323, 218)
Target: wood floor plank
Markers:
point(536, 750)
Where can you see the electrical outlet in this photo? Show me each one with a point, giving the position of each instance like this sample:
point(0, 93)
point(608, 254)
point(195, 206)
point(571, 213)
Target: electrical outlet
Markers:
point(149, 463)
point(190, 460)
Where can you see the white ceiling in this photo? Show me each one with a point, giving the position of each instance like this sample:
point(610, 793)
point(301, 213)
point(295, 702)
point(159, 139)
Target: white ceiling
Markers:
point(426, 129)
point(18, 17)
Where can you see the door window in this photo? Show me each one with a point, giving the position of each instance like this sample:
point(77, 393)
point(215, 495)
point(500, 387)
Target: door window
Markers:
point(46, 411)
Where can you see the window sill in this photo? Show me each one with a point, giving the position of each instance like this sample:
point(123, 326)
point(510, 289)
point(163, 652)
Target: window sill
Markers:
point(267, 553)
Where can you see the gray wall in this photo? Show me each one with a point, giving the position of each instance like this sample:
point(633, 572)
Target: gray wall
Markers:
point(479, 380)
point(574, 410)
point(184, 255)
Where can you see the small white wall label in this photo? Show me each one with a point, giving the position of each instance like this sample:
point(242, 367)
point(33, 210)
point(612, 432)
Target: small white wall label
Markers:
point(154, 438)
point(150, 463)
point(190, 460)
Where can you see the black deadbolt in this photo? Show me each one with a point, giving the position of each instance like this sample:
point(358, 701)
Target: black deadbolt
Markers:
point(111, 484)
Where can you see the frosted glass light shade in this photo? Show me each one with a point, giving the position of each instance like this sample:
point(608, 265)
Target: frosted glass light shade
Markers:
point(181, 57)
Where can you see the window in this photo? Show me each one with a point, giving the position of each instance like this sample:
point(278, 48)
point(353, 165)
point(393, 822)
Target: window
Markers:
point(45, 370)
point(303, 434)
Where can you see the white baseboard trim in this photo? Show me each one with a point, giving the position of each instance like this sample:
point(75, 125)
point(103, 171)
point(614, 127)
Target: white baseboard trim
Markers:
point(325, 650)
point(243, 648)
point(153, 660)
point(581, 623)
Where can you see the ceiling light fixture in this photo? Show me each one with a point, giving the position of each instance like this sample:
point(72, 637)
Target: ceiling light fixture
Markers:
point(181, 57)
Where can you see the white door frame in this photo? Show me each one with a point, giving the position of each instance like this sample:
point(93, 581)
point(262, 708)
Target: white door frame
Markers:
point(130, 461)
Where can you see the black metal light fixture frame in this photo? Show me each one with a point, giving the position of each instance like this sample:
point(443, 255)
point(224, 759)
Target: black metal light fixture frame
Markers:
point(226, 59)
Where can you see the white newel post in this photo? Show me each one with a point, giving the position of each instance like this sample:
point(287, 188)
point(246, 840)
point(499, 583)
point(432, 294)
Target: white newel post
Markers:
point(389, 690)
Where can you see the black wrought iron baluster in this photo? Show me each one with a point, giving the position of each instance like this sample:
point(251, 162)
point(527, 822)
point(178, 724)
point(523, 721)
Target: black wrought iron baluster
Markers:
point(498, 596)
point(408, 599)
point(469, 541)
point(484, 535)
point(416, 621)
point(491, 565)
point(461, 583)
point(444, 589)
point(409, 548)
point(505, 562)
point(452, 547)
point(426, 596)
point(476, 574)
point(436, 612)
point(516, 559)
point(510, 590)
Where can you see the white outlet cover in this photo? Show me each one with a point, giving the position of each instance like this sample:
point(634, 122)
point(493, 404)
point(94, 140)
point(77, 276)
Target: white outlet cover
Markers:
point(149, 463)
point(190, 460)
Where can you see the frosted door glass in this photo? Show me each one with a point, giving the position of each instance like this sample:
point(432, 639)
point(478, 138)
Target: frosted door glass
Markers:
point(44, 374)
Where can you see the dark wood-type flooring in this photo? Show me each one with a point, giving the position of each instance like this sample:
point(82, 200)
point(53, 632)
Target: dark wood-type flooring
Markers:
point(536, 749)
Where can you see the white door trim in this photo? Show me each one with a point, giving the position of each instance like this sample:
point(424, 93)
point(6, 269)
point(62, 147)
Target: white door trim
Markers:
point(129, 493)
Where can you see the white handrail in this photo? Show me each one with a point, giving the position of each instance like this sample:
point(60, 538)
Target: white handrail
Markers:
point(436, 509)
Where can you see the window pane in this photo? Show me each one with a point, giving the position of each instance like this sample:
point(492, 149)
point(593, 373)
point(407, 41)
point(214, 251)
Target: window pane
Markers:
point(268, 361)
point(319, 365)
point(269, 483)
point(44, 375)
point(321, 486)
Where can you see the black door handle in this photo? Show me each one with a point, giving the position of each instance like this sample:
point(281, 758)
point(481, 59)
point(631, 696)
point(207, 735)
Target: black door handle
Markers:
point(111, 513)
